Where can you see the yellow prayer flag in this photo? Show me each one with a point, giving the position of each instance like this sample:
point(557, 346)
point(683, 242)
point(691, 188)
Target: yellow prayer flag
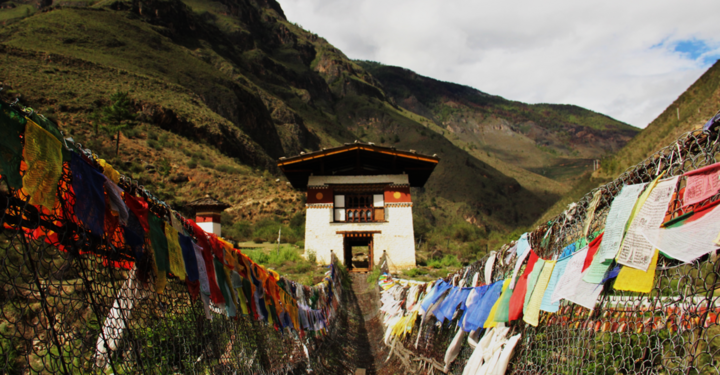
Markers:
point(490, 321)
point(109, 171)
point(43, 156)
point(635, 280)
point(160, 276)
point(532, 312)
point(177, 263)
point(242, 301)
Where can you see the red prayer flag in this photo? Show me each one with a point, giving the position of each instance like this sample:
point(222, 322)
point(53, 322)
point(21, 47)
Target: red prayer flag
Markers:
point(592, 249)
point(139, 208)
point(517, 299)
point(202, 241)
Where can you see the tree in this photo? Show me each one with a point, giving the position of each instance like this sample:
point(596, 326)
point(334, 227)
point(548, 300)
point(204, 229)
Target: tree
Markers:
point(117, 117)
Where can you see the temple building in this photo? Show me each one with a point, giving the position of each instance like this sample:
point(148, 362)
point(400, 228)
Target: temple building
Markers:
point(358, 202)
point(207, 214)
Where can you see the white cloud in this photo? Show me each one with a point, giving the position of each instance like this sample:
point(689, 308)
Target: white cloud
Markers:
point(614, 57)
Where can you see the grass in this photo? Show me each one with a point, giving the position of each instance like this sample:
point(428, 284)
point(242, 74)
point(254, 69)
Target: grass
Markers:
point(16, 13)
point(445, 262)
point(288, 261)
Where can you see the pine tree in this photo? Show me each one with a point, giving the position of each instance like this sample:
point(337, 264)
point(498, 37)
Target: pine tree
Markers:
point(117, 117)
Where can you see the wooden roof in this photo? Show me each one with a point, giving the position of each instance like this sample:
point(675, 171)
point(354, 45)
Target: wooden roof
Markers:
point(357, 159)
point(208, 202)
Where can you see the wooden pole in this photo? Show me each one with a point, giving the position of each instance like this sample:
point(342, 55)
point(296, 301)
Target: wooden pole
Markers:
point(278, 245)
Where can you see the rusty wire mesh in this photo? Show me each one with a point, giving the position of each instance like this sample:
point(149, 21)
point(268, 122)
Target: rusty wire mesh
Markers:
point(675, 329)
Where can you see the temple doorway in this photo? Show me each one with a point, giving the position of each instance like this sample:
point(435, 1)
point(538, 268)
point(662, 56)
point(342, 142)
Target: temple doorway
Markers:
point(358, 251)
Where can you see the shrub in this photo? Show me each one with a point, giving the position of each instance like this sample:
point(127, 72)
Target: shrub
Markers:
point(302, 267)
point(154, 144)
point(163, 139)
point(227, 169)
point(258, 240)
point(307, 280)
point(298, 220)
point(136, 167)
point(300, 244)
point(312, 256)
point(258, 256)
point(241, 231)
point(434, 263)
point(164, 167)
point(192, 163)
point(414, 272)
point(286, 254)
point(450, 261)
point(267, 228)
point(206, 163)
point(465, 232)
point(131, 132)
point(373, 277)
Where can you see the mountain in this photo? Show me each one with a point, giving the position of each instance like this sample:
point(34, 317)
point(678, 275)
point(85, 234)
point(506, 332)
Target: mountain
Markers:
point(544, 146)
point(222, 88)
point(690, 111)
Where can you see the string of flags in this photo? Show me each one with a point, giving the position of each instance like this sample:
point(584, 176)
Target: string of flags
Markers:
point(88, 201)
point(638, 230)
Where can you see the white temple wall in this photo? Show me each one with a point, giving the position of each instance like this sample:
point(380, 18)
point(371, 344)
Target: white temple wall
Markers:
point(211, 227)
point(396, 237)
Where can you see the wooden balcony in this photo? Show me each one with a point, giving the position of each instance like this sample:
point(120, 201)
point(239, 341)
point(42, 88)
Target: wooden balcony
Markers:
point(365, 215)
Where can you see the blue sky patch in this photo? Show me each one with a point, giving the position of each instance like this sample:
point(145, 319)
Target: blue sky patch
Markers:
point(694, 49)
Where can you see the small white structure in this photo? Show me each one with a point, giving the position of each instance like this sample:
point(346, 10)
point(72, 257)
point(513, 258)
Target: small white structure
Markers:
point(207, 214)
point(358, 202)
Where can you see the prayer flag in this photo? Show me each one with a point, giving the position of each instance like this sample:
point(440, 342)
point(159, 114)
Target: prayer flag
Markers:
point(592, 250)
point(43, 156)
point(635, 280)
point(12, 127)
point(175, 257)
point(88, 185)
point(160, 249)
point(531, 313)
point(517, 300)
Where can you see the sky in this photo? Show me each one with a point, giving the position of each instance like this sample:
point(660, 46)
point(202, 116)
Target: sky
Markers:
point(627, 59)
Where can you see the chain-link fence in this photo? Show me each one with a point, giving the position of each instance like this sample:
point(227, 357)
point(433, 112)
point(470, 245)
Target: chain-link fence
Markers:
point(72, 301)
point(674, 329)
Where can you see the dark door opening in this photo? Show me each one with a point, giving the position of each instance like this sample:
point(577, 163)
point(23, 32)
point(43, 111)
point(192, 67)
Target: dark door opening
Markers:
point(358, 253)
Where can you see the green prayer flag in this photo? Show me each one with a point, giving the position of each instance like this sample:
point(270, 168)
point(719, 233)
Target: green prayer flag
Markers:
point(12, 128)
point(224, 288)
point(159, 243)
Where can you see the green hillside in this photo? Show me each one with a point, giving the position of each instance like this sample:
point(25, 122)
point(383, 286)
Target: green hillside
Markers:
point(221, 89)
